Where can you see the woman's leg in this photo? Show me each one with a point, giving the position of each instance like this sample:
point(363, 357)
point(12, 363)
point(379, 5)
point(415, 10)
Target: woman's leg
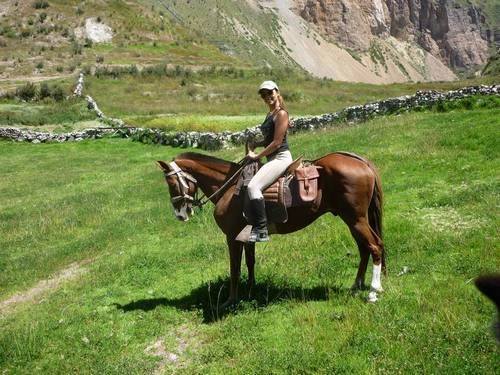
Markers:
point(266, 175)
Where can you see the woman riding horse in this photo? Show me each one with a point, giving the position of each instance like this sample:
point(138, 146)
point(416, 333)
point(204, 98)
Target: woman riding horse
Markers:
point(274, 128)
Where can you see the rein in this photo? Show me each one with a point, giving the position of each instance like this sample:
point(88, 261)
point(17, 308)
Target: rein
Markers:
point(184, 187)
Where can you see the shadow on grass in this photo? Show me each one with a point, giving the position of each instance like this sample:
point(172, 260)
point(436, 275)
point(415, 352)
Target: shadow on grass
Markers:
point(210, 296)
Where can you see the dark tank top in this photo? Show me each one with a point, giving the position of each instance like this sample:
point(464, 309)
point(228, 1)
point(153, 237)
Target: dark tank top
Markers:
point(267, 129)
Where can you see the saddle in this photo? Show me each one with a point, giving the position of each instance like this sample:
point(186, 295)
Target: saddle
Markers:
point(298, 186)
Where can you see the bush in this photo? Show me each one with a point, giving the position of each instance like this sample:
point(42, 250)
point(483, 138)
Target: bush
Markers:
point(57, 93)
point(76, 48)
point(39, 65)
point(99, 59)
point(86, 70)
point(25, 33)
point(60, 69)
point(88, 43)
point(41, 4)
point(44, 91)
point(42, 17)
point(26, 92)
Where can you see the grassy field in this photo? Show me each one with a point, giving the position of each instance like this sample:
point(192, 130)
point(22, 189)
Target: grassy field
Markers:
point(210, 100)
point(151, 284)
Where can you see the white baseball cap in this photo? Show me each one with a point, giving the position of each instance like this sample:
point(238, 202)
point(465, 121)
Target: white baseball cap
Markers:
point(268, 85)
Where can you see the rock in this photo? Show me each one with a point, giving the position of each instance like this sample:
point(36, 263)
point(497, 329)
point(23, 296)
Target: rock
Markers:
point(456, 34)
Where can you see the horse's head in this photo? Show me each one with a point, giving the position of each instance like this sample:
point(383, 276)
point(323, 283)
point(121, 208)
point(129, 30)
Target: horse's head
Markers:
point(182, 187)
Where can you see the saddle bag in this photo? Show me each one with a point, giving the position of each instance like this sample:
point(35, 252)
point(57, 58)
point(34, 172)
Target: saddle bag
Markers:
point(307, 181)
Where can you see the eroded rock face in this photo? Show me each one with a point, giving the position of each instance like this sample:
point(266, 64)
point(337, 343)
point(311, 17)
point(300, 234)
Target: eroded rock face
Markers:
point(456, 34)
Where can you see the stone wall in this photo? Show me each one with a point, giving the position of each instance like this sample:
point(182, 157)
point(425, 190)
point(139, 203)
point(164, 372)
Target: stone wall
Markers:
point(214, 141)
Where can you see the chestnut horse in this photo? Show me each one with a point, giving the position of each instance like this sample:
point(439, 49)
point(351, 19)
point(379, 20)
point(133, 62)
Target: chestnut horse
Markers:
point(349, 187)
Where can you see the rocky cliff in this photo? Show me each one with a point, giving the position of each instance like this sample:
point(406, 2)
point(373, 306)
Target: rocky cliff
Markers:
point(454, 33)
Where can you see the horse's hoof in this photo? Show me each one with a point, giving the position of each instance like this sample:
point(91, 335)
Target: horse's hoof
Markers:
point(372, 297)
point(357, 287)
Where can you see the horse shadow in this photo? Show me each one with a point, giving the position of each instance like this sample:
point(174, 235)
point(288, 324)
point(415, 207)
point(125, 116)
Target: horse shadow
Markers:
point(210, 296)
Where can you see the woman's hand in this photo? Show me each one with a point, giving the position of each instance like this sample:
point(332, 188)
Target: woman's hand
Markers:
point(252, 155)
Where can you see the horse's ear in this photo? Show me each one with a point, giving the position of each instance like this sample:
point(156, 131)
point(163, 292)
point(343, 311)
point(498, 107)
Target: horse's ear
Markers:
point(163, 166)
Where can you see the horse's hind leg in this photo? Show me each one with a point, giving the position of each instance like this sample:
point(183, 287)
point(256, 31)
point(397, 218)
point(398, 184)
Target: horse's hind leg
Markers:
point(368, 244)
point(250, 262)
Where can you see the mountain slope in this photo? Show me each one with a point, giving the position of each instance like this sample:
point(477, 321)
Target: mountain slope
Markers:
point(376, 41)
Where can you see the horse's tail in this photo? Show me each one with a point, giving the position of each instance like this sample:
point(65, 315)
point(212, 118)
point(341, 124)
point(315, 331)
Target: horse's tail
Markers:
point(375, 211)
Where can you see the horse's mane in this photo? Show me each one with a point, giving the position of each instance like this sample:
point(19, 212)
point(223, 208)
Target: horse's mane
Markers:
point(205, 158)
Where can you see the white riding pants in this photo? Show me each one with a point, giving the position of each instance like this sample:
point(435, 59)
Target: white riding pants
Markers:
point(268, 173)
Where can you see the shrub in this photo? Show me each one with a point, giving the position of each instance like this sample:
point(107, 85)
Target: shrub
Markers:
point(99, 59)
point(468, 103)
point(76, 48)
point(440, 106)
point(42, 17)
point(60, 69)
point(26, 92)
point(57, 93)
point(25, 33)
point(39, 65)
point(3, 43)
point(88, 43)
point(86, 70)
point(44, 91)
point(41, 4)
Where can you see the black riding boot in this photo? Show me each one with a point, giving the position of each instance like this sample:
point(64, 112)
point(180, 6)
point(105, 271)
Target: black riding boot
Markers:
point(259, 224)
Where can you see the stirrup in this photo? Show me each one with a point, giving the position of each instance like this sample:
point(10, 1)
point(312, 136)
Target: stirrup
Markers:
point(258, 235)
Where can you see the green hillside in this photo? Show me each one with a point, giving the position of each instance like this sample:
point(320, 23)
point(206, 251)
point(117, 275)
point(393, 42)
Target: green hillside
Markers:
point(492, 68)
point(146, 292)
point(40, 38)
point(44, 38)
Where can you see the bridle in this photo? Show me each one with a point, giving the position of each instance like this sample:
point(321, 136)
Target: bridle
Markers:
point(183, 186)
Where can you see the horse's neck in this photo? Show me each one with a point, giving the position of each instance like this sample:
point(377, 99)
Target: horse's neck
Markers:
point(209, 175)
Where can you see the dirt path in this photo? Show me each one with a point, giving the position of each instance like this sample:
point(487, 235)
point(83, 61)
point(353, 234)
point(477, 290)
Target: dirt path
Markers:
point(31, 295)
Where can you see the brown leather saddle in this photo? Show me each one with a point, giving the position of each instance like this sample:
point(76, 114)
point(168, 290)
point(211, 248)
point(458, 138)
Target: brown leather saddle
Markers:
point(298, 186)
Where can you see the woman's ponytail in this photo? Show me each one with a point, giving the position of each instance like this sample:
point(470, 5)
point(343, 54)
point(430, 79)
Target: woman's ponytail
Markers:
point(281, 101)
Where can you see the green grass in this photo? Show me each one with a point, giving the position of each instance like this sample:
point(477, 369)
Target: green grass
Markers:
point(209, 100)
point(199, 123)
point(48, 112)
point(106, 201)
point(236, 94)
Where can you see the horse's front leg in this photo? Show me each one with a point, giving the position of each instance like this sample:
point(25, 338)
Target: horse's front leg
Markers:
point(250, 261)
point(235, 253)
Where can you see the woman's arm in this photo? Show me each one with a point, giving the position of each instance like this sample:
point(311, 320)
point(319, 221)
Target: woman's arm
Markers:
point(280, 128)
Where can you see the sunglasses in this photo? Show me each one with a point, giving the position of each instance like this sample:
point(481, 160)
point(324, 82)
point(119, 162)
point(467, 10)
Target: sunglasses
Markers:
point(265, 94)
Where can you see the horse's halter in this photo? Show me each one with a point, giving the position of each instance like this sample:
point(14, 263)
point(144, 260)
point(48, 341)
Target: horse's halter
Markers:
point(182, 184)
